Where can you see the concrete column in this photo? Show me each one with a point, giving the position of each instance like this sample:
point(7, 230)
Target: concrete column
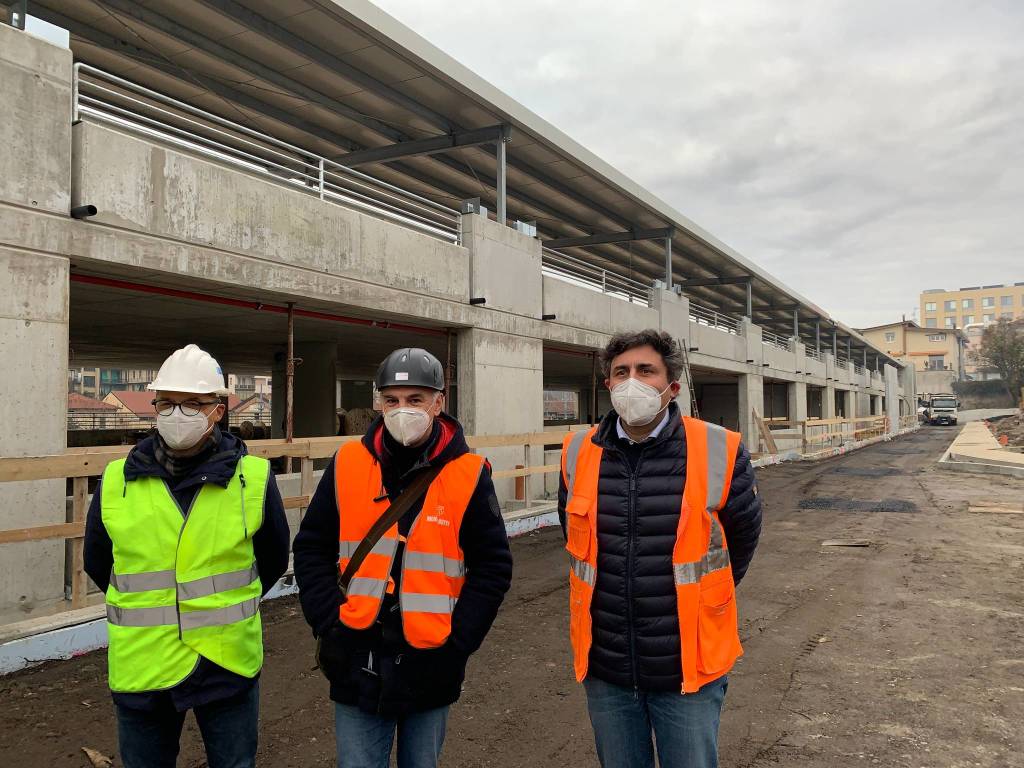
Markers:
point(751, 398)
point(752, 333)
point(828, 401)
point(315, 391)
point(674, 318)
point(892, 398)
point(796, 396)
point(501, 391)
point(35, 174)
point(33, 412)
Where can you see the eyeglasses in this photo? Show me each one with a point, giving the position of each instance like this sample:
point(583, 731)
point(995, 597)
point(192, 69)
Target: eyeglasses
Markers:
point(187, 408)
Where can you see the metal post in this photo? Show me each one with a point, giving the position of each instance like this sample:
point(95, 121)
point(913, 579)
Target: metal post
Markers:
point(849, 349)
point(835, 342)
point(668, 263)
point(865, 358)
point(289, 390)
point(817, 336)
point(500, 181)
point(321, 175)
point(750, 301)
point(74, 92)
point(796, 325)
point(448, 375)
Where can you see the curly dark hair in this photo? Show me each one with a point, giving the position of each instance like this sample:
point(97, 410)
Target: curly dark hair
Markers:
point(662, 342)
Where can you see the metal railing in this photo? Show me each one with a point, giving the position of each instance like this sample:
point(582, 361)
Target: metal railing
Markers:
point(813, 353)
point(842, 362)
point(858, 368)
point(102, 96)
point(572, 270)
point(101, 420)
point(712, 318)
point(774, 340)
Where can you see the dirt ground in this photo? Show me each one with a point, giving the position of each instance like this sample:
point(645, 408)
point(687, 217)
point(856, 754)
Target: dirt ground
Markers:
point(1010, 427)
point(908, 652)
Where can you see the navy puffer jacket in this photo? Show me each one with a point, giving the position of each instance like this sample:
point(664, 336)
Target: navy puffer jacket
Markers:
point(635, 626)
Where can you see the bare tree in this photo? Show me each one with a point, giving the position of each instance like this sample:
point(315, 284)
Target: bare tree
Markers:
point(1002, 350)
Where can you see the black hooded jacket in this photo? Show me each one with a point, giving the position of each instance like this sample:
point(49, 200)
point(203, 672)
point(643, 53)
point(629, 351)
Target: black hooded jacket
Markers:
point(209, 682)
point(375, 669)
point(640, 490)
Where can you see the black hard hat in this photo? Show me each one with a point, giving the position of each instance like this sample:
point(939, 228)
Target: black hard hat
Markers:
point(410, 367)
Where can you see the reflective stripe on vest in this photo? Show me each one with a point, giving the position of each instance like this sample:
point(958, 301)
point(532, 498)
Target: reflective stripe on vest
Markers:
point(433, 567)
point(705, 592)
point(163, 601)
point(719, 464)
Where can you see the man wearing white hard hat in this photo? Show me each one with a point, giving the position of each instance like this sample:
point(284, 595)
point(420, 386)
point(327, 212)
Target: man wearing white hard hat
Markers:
point(185, 536)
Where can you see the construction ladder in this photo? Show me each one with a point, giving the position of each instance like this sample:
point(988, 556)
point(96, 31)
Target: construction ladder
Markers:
point(689, 378)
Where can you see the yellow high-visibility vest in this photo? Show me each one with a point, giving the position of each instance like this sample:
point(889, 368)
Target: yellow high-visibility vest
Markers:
point(184, 582)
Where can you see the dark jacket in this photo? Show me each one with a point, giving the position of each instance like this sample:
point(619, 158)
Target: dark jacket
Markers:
point(209, 682)
point(375, 669)
point(635, 623)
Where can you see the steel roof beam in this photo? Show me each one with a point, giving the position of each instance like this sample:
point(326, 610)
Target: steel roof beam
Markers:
point(610, 237)
point(703, 282)
point(419, 147)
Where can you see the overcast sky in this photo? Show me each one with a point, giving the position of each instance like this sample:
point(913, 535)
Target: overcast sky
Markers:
point(860, 151)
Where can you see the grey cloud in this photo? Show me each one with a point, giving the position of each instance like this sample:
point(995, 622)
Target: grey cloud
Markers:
point(861, 151)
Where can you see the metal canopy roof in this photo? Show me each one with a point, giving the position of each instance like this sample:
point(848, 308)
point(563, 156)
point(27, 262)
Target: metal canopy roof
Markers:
point(341, 76)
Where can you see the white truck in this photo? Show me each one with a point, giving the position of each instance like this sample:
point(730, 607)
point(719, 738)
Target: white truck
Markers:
point(941, 409)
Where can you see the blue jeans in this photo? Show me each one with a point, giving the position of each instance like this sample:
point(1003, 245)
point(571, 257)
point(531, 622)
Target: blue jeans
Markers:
point(365, 740)
point(149, 739)
point(685, 726)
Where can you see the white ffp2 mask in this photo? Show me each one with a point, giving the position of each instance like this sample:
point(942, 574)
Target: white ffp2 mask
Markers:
point(637, 403)
point(407, 425)
point(181, 432)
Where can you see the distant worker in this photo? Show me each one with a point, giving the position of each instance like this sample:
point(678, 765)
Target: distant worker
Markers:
point(395, 628)
point(662, 517)
point(184, 537)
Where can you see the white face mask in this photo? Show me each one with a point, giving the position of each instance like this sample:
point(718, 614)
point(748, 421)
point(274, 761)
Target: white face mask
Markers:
point(637, 403)
point(182, 432)
point(407, 425)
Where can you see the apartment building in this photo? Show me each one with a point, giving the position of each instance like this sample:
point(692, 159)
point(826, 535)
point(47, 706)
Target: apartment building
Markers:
point(97, 383)
point(937, 355)
point(975, 304)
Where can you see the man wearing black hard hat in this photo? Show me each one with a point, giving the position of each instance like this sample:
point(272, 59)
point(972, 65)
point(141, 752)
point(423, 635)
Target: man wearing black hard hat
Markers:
point(397, 609)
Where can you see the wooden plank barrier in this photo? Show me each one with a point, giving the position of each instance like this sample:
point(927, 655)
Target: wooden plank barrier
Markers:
point(80, 464)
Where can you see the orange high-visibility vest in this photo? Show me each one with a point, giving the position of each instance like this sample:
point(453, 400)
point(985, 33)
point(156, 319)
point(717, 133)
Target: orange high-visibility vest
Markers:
point(705, 592)
point(433, 568)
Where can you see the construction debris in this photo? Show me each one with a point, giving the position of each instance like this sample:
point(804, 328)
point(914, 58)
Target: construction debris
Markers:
point(1009, 430)
point(846, 543)
point(98, 759)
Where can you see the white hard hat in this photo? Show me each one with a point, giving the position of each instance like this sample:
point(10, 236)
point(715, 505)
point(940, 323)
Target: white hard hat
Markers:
point(190, 369)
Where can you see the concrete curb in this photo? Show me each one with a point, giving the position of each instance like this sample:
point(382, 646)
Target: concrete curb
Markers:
point(976, 450)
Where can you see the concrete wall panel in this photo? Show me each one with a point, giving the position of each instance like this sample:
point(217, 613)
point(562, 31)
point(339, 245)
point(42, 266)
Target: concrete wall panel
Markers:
point(183, 197)
point(505, 266)
point(583, 308)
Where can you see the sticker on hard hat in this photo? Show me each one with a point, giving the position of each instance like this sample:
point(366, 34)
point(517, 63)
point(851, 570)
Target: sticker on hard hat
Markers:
point(401, 376)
